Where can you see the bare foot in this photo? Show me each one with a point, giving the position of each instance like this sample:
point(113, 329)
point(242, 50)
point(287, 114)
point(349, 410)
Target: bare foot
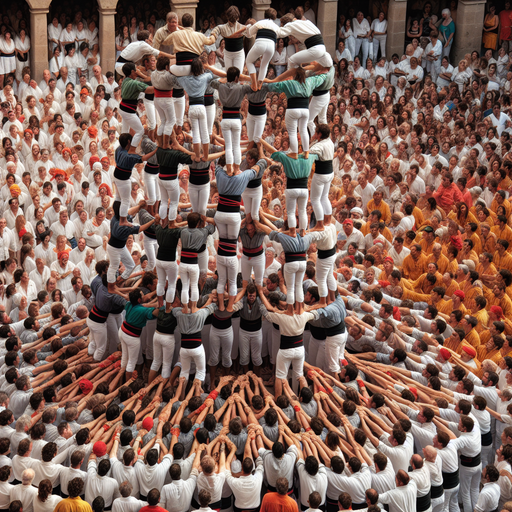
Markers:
point(112, 287)
point(317, 228)
point(124, 222)
point(185, 309)
point(293, 155)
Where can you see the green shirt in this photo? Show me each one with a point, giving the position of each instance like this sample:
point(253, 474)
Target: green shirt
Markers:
point(138, 315)
point(131, 89)
point(294, 89)
point(295, 169)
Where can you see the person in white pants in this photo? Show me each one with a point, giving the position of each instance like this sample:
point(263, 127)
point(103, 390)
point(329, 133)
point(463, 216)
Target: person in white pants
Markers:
point(116, 248)
point(190, 326)
point(326, 247)
point(125, 162)
point(232, 32)
point(253, 257)
point(324, 173)
point(256, 116)
point(163, 343)
point(263, 48)
point(163, 84)
point(130, 90)
point(362, 30)
point(309, 34)
point(253, 194)
point(320, 100)
point(379, 31)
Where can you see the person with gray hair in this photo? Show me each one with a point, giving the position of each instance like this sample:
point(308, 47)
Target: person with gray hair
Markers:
point(25, 492)
point(127, 502)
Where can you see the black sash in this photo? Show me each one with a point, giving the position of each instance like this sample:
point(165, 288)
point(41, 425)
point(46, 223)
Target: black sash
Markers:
point(197, 100)
point(450, 480)
point(227, 247)
point(131, 330)
point(323, 255)
point(323, 167)
point(234, 44)
point(97, 315)
point(192, 340)
point(436, 491)
point(250, 325)
point(290, 257)
point(266, 33)
point(291, 341)
point(470, 462)
point(185, 58)
point(423, 503)
point(298, 102)
point(229, 204)
point(314, 41)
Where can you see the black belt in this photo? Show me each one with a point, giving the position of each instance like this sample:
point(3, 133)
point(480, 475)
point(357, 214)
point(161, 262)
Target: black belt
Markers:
point(149, 97)
point(236, 509)
point(192, 340)
point(250, 325)
point(167, 173)
point(436, 491)
point(152, 168)
point(290, 257)
point(252, 253)
point(234, 44)
point(122, 174)
point(189, 256)
point(115, 242)
point(314, 41)
point(208, 99)
point(271, 488)
point(122, 59)
point(320, 92)
point(196, 100)
point(470, 462)
point(423, 503)
point(359, 506)
point(227, 247)
point(323, 255)
point(291, 341)
point(221, 323)
point(97, 315)
point(298, 103)
point(129, 106)
point(131, 330)
point(8, 54)
point(231, 113)
point(178, 93)
point(317, 332)
point(487, 439)
point(200, 176)
point(229, 203)
point(266, 33)
point(257, 109)
point(254, 183)
point(450, 480)
point(331, 505)
point(323, 167)
point(336, 329)
point(296, 183)
point(185, 58)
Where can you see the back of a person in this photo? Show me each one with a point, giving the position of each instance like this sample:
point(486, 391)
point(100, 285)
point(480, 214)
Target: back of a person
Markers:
point(275, 502)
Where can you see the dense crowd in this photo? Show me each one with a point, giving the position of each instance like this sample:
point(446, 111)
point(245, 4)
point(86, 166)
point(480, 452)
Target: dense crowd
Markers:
point(241, 274)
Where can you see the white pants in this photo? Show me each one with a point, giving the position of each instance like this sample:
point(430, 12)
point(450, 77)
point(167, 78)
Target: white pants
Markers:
point(252, 201)
point(187, 355)
point(197, 116)
point(487, 455)
point(232, 130)
point(199, 195)
point(114, 321)
point(293, 276)
point(163, 351)
point(379, 41)
point(220, 339)
point(210, 117)
point(264, 48)
point(438, 504)
point(123, 192)
point(350, 45)
point(234, 59)
point(297, 118)
point(324, 275)
point(132, 121)
point(250, 347)
point(130, 347)
point(179, 108)
point(287, 357)
point(334, 351)
point(451, 499)
point(320, 186)
point(470, 486)
point(227, 269)
point(180, 70)
point(228, 224)
point(316, 353)
point(151, 187)
point(150, 247)
point(297, 197)
point(165, 109)
point(276, 342)
point(169, 191)
point(255, 264)
point(202, 261)
point(166, 270)
point(116, 256)
point(362, 43)
point(98, 339)
point(149, 106)
point(318, 107)
point(255, 126)
point(315, 53)
point(189, 274)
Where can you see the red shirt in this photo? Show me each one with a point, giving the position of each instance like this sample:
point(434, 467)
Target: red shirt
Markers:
point(446, 197)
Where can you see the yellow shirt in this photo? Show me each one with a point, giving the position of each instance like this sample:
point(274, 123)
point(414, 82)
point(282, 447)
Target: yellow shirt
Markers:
point(383, 208)
point(442, 263)
point(73, 505)
point(413, 269)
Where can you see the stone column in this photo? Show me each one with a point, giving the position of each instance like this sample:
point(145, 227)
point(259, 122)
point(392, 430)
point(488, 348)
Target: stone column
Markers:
point(180, 7)
point(327, 22)
point(397, 21)
point(258, 9)
point(468, 29)
point(38, 37)
point(106, 33)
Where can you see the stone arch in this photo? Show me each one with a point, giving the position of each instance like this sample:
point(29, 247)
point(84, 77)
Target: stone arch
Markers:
point(38, 36)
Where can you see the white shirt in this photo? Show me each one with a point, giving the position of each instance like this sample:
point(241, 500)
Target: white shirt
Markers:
point(49, 505)
point(246, 489)
point(489, 497)
point(26, 494)
point(422, 478)
point(129, 504)
point(401, 499)
point(100, 485)
point(38, 279)
point(398, 259)
point(176, 496)
point(384, 480)
point(121, 473)
point(355, 484)
point(360, 28)
point(309, 484)
point(68, 475)
point(151, 477)
point(398, 455)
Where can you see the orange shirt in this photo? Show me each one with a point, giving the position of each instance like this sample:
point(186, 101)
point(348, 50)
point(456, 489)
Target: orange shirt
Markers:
point(442, 263)
point(504, 261)
point(418, 215)
point(483, 321)
point(504, 234)
point(274, 502)
point(489, 243)
point(383, 208)
point(413, 269)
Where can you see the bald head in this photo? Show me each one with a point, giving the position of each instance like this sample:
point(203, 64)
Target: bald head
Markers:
point(430, 453)
point(27, 476)
point(417, 461)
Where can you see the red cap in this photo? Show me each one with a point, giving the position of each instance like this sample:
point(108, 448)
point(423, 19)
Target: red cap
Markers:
point(389, 258)
point(396, 314)
point(99, 449)
point(459, 293)
point(497, 311)
point(445, 354)
point(414, 391)
point(147, 424)
point(384, 283)
point(348, 221)
point(94, 159)
point(469, 350)
point(85, 386)
point(104, 159)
